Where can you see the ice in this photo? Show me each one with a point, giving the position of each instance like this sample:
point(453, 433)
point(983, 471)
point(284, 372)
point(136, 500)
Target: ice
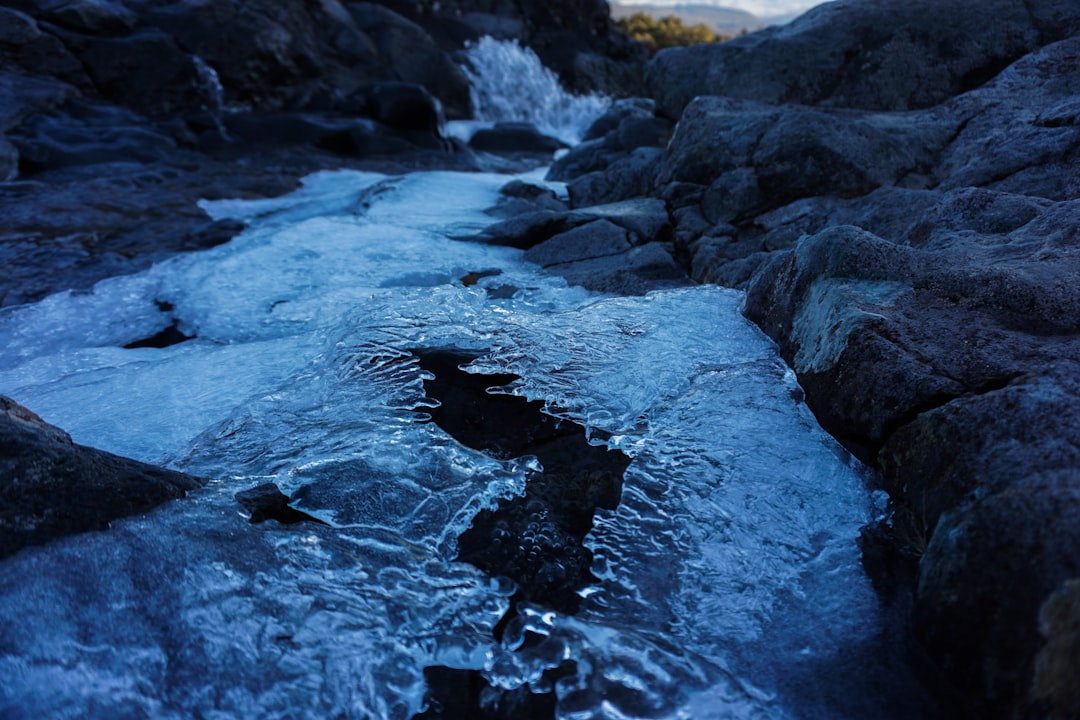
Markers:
point(729, 566)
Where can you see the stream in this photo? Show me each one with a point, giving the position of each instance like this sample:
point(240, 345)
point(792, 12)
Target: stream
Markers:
point(724, 579)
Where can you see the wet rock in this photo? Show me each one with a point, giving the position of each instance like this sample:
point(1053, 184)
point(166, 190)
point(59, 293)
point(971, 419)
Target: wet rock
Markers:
point(52, 487)
point(638, 271)
point(599, 238)
point(17, 28)
point(530, 228)
point(25, 96)
point(515, 137)
point(518, 197)
point(397, 105)
point(646, 218)
point(535, 540)
point(267, 502)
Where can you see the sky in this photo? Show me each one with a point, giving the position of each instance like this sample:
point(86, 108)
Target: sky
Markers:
point(761, 8)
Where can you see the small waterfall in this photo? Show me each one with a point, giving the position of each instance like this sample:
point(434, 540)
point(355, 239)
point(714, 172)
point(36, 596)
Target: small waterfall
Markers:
point(510, 83)
point(209, 86)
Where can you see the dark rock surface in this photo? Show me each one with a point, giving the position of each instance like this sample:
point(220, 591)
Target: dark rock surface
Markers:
point(51, 487)
point(622, 248)
point(117, 116)
point(896, 186)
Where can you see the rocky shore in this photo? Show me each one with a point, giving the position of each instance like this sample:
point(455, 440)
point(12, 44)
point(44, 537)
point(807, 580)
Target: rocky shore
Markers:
point(893, 183)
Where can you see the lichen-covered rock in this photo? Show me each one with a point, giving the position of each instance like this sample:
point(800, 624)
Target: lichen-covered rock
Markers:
point(50, 487)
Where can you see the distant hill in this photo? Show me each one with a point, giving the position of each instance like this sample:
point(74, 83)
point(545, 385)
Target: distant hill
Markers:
point(725, 21)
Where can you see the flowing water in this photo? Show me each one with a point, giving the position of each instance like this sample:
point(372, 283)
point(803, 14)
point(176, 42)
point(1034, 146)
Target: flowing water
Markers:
point(728, 579)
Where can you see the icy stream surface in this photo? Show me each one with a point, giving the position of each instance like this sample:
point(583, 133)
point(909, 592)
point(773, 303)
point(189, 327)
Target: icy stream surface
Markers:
point(730, 564)
point(729, 580)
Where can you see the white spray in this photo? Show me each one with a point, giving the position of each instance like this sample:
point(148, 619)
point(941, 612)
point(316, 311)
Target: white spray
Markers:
point(510, 83)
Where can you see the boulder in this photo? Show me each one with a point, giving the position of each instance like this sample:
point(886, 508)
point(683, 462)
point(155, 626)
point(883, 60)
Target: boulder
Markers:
point(867, 54)
point(413, 56)
point(991, 604)
point(93, 17)
point(52, 487)
point(595, 239)
point(515, 137)
point(637, 271)
point(17, 28)
point(89, 133)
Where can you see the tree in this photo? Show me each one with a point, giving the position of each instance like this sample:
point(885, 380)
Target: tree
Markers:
point(666, 32)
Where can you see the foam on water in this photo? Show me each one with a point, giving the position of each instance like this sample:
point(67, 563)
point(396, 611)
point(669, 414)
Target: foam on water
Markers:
point(729, 565)
point(508, 82)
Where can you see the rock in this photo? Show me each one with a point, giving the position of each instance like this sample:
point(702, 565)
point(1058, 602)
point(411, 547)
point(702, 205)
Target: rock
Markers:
point(25, 96)
point(621, 160)
point(1055, 688)
point(599, 238)
point(868, 54)
point(627, 177)
point(89, 134)
point(515, 137)
point(397, 105)
point(637, 271)
point(518, 197)
point(267, 502)
point(415, 57)
point(146, 71)
point(638, 108)
point(583, 158)
point(646, 218)
point(17, 28)
point(9, 160)
point(94, 17)
point(531, 228)
point(988, 581)
point(53, 487)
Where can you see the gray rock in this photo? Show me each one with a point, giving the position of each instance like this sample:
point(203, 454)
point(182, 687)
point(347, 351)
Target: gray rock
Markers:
point(635, 272)
point(515, 137)
point(531, 228)
point(17, 28)
point(94, 134)
point(993, 570)
point(25, 96)
point(869, 54)
point(627, 177)
point(596, 239)
point(52, 487)
point(646, 218)
point(414, 56)
point(9, 160)
point(95, 17)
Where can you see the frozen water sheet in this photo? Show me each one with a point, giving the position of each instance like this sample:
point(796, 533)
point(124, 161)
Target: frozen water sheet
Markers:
point(730, 562)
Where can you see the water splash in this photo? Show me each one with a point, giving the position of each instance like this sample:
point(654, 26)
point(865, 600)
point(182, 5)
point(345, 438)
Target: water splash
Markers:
point(510, 83)
point(210, 88)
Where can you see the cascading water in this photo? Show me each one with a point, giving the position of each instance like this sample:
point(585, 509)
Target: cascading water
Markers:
point(509, 82)
point(728, 582)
